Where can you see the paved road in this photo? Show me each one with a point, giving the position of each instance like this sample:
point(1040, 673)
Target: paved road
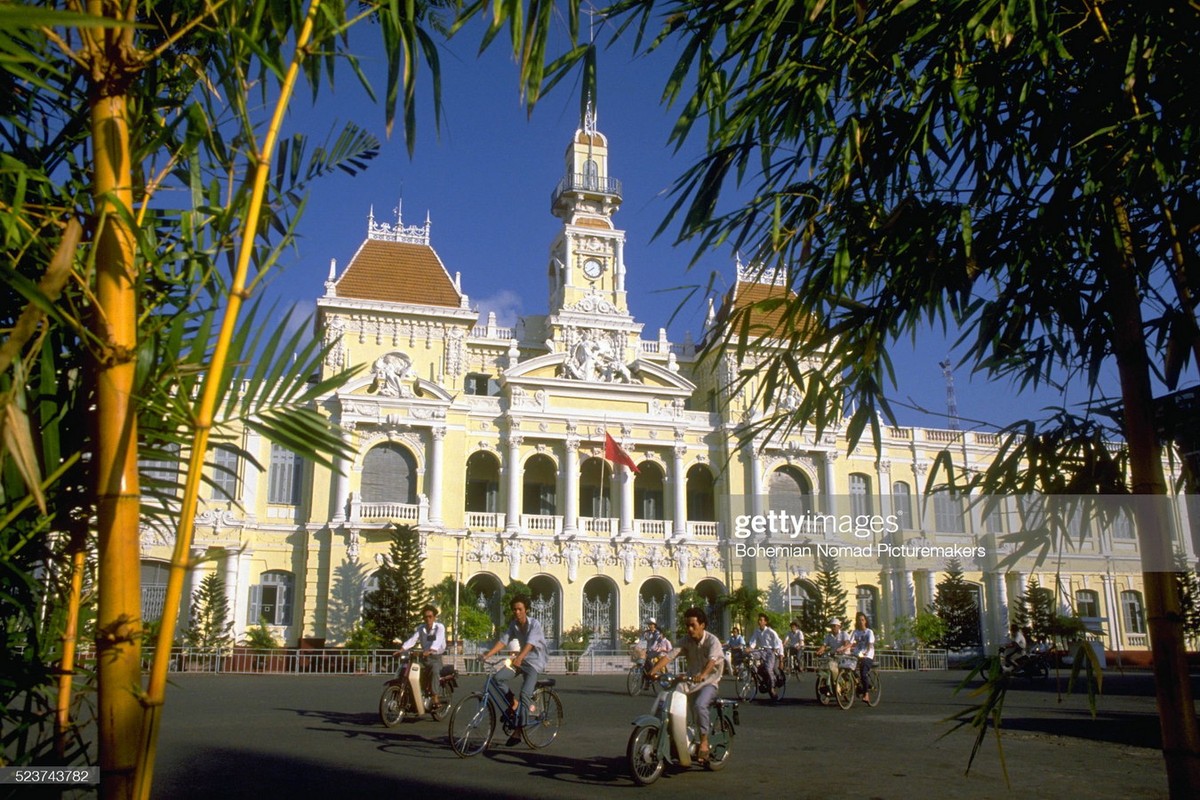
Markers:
point(306, 736)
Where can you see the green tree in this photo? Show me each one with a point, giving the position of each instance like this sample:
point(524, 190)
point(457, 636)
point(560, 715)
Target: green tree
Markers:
point(394, 609)
point(955, 603)
point(742, 604)
point(829, 585)
point(1189, 598)
point(1038, 608)
point(1023, 172)
point(473, 624)
point(210, 626)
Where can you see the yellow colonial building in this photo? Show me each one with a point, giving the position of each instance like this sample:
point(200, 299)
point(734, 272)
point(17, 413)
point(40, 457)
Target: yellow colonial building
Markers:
point(491, 441)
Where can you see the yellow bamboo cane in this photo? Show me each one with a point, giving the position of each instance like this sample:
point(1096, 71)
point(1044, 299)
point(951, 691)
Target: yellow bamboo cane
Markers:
point(155, 692)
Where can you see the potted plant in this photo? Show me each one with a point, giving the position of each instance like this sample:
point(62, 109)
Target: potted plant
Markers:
point(574, 641)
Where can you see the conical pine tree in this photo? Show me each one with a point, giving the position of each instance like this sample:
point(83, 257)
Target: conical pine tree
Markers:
point(394, 609)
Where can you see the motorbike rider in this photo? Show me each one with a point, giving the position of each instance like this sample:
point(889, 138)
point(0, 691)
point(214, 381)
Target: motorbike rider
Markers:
point(655, 643)
point(862, 644)
point(837, 641)
point(705, 663)
point(531, 660)
point(794, 642)
point(1013, 649)
point(767, 640)
point(432, 637)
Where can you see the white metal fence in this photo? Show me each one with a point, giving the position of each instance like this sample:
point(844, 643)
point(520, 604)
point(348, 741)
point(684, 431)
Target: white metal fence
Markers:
point(335, 661)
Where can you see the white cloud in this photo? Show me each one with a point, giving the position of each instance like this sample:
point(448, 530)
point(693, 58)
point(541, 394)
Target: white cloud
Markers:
point(506, 304)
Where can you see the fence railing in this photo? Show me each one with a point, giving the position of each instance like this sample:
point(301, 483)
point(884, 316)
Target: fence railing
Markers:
point(336, 661)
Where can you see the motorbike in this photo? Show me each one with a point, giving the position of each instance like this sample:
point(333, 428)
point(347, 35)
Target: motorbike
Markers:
point(403, 695)
point(1034, 666)
point(668, 736)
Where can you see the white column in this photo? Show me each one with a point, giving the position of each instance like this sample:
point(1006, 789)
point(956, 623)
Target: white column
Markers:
point(829, 490)
point(756, 487)
point(625, 482)
point(571, 486)
point(252, 475)
point(1115, 631)
point(513, 467)
point(341, 479)
point(194, 577)
point(231, 580)
point(436, 457)
point(906, 601)
point(679, 491)
point(930, 586)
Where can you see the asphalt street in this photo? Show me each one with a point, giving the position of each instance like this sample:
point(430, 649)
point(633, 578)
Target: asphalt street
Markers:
point(271, 736)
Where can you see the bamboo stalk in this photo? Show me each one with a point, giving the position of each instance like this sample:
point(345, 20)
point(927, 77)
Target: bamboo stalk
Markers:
point(180, 562)
point(62, 717)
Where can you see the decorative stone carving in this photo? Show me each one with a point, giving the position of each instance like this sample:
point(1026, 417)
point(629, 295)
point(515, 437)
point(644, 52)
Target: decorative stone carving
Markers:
point(334, 332)
point(683, 560)
point(657, 558)
point(392, 373)
point(571, 554)
point(513, 550)
point(710, 559)
point(352, 542)
point(544, 556)
point(627, 555)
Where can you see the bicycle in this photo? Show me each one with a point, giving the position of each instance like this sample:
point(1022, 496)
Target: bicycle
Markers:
point(751, 678)
point(847, 686)
point(637, 680)
point(473, 720)
point(794, 662)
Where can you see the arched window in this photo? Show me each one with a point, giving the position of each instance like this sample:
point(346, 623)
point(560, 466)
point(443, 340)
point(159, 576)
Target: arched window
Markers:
point(271, 598)
point(1087, 603)
point(648, 492)
point(539, 484)
point(701, 501)
point(591, 175)
point(595, 494)
point(867, 601)
point(483, 483)
point(389, 475)
point(788, 490)
point(902, 505)
point(860, 495)
point(1133, 613)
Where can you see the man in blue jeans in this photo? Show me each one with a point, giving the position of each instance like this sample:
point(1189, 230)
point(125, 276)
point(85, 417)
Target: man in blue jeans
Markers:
point(528, 662)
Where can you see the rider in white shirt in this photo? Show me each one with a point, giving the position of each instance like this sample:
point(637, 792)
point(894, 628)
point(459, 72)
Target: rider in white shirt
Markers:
point(837, 642)
point(432, 638)
point(794, 642)
point(655, 643)
point(862, 644)
point(767, 640)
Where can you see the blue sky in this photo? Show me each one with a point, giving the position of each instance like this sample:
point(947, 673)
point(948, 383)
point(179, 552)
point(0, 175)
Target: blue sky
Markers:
point(485, 180)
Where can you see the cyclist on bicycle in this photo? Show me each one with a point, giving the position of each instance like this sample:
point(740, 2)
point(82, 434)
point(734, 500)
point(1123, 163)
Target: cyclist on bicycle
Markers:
point(767, 640)
point(836, 642)
point(432, 638)
point(655, 642)
point(862, 643)
point(794, 642)
point(532, 658)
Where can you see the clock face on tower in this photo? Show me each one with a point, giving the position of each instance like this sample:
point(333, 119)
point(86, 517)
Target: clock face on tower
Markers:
point(592, 268)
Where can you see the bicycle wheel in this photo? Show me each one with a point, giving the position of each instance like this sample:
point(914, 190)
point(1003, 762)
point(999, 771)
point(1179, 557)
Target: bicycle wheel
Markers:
point(747, 686)
point(645, 766)
point(876, 688)
point(471, 725)
point(718, 755)
point(844, 687)
point(542, 726)
point(391, 706)
point(445, 697)
point(824, 693)
point(634, 681)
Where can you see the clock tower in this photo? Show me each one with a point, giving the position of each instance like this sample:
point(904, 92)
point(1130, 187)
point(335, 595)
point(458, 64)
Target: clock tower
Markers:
point(586, 270)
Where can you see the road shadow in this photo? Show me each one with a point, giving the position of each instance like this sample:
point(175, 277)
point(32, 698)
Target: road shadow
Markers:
point(594, 771)
point(1133, 730)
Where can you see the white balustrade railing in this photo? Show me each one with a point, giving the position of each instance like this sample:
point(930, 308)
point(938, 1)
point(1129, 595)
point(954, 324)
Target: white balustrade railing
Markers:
point(541, 523)
point(485, 520)
point(605, 526)
point(702, 530)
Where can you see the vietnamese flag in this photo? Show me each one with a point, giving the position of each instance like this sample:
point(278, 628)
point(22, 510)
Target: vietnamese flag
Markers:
point(614, 453)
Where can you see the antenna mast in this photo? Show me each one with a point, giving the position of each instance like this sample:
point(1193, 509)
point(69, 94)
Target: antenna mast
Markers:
point(951, 397)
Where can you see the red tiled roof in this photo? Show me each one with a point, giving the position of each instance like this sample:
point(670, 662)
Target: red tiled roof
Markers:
point(398, 272)
point(767, 306)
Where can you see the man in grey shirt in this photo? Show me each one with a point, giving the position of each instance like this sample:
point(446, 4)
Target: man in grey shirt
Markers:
point(705, 663)
point(530, 661)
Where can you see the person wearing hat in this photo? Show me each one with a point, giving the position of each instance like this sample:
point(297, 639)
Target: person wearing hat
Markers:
point(837, 642)
point(655, 642)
